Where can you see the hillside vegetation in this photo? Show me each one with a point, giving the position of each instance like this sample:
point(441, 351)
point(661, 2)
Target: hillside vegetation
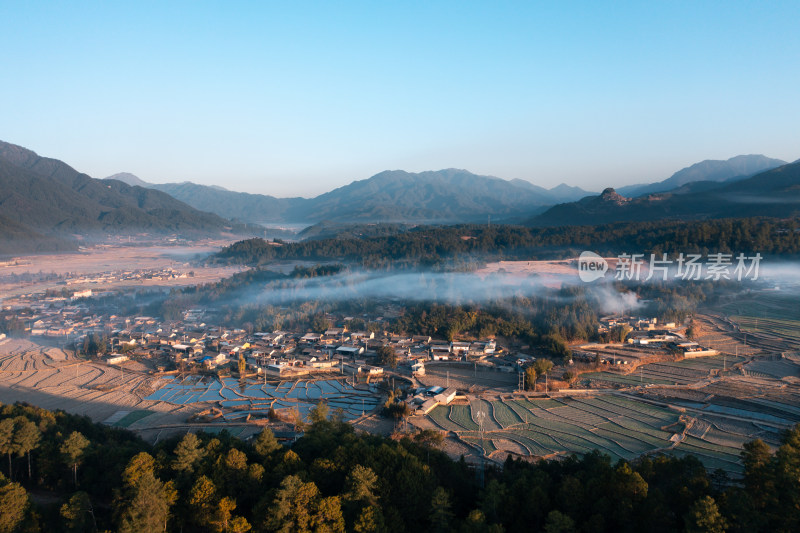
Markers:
point(428, 245)
point(333, 479)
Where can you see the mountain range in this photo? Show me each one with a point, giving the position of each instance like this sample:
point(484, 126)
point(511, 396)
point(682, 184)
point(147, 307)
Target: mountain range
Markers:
point(443, 196)
point(713, 170)
point(446, 196)
point(453, 195)
point(773, 193)
point(45, 204)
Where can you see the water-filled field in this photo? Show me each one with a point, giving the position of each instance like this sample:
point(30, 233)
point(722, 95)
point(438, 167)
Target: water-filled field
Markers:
point(242, 398)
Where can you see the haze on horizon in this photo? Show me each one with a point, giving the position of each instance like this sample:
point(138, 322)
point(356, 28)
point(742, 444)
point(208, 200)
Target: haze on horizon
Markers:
point(298, 99)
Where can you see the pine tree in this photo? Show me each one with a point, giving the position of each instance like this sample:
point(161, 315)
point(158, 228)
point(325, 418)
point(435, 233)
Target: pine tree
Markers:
point(73, 449)
point(146, 509)
point(266, 443)
point(13, 505)
point(7, 444)
point(704, 517)
point(79, 513)
point(441, 514)
point(26, 439)
point(361, 484)
point(319, 413)
point(187, 453)
point(202, 500)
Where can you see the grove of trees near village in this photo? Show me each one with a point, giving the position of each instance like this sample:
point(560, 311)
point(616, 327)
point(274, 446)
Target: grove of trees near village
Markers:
point(64, 473)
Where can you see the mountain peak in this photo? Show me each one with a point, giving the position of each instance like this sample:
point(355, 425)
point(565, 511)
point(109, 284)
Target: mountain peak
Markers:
point(128, 179)
point(713, 170)
point(30, 160)
point(612, 196)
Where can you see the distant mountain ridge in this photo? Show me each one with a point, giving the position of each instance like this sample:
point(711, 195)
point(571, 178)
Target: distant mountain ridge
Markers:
point(738, 167)
point(45, 201)
point(449, 195)
point(129, 179)
point(773, 193)
point(255, 208)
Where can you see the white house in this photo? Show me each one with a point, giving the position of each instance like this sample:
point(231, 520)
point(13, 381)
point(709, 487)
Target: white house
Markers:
point(445, 397)
point(116, 358)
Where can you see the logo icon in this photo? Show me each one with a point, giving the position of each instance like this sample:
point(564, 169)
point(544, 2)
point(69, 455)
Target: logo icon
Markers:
point(591, 266)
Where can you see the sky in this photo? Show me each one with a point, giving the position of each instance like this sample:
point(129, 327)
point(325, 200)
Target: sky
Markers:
point(298, 98)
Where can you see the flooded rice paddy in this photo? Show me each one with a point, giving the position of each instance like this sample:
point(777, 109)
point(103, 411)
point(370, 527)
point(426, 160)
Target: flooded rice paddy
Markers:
point(240, 399)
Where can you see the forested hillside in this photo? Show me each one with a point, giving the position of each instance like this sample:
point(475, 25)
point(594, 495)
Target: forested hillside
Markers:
point(432, 245)
point(96, 478)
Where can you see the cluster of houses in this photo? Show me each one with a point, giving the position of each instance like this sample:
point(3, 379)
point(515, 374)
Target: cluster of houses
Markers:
point(282, 353)
point(166, 273)
point(57, 317)
point(191, 343)
point(634, 323)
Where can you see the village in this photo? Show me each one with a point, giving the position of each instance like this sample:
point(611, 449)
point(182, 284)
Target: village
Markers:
point(703, 387)
point(423, 364)
point(642, 385)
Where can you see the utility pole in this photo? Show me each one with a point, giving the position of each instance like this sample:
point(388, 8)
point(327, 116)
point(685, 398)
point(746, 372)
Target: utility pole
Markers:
point(480, 415)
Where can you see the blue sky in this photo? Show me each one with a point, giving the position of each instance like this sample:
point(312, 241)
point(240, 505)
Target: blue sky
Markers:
point(297, 98)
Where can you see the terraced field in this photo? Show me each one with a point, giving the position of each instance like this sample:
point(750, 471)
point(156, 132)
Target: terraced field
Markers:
point(769, 304)
point(767, 315)
point(708, 407)
point(50, 378)
point(615, 379)
point(252, 398)
point(621, 426)
point(682, 372)
point(152, 407)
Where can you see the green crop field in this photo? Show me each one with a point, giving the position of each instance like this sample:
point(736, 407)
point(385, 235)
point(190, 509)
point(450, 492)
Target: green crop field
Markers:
point(439, 415)
point(766, 312)
point(626, 380)
point(504, 415)
point(130, 418)
point(462, 415)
